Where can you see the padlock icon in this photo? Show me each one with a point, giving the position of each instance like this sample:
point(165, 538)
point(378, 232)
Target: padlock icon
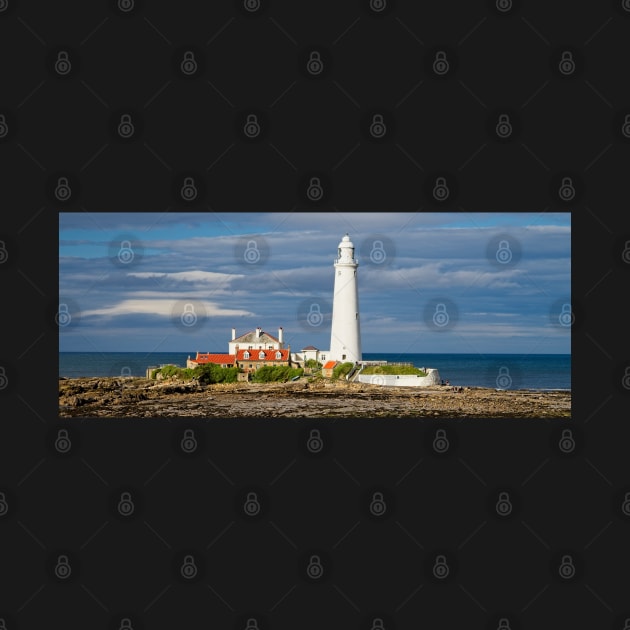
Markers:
point(314, 443)
point(63, 568)
point(378, 5)
point(63, 190)
point(440, 442)
point(377, 504)
point(625, 254)
point(251, 5)
point(440, 568)
point(504, 380)
point(567, 442)
point(314, 317)
point(567, 63)
point(566, 190)
point(126, 128)
point(4, 379)
point(4, 506)
point(251, 505)
point(377, 127)
point(625, 128)
point(62, 63)
point(125, 624)
point(63, 317)
point(125, 253)
point(188, 569)
point(252, 624)
point(188, 317)
point(126, 5)
point(252, 127)
point(504, 505)
point(126, 506)
point(62, 442)
point(377, 624)
point(566, 317)
point(188, 442)
point(189, 64)
point(504, 624)
point(440, 63)
point(314, 64)
point(504, 253)
point(125, 371)
point(504, 5)
point(566, 568)
point(315, 570)
point(504, 126)
point(440, 190)
point(625, 506)
point(4, 128)
point(440, 317)
point(314, 191)
point(625, 381)
point(378, 255)
point(4, 254)
point(251, 254)
point(188, 191)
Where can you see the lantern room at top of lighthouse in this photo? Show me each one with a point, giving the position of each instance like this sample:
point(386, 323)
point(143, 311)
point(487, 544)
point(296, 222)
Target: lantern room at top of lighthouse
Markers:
point(345, 251)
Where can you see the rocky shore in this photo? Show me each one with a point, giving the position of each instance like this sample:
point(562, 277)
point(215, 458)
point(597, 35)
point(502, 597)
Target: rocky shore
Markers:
point(131, 397)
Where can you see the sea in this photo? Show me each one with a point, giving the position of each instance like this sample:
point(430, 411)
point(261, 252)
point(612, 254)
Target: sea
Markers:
point(540, 372)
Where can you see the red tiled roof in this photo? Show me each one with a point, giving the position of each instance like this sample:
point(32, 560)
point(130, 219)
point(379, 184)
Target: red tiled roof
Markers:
point(208, 357)
point(269, 355)
point(329, 364)
point(309, 348)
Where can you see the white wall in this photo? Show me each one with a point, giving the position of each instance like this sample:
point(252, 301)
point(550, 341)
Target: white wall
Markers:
point(402, 380)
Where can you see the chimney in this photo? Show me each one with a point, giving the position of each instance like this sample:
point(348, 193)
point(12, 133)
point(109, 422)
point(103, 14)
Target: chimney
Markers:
point(233, 334)
point(258, 331)
point(280, 339)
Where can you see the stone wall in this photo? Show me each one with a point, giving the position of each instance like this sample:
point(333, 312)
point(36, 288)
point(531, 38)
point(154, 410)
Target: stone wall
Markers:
point(402, 380)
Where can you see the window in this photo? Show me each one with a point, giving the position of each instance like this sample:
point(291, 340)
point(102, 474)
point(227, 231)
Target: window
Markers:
point(260, 347)
point(246, 356)
point(339, 272)
point(278, 355)
point(323, 357)
point(261, 355)
point(343, 357)
point(356, 315)
point(269, 347)
point(250, 365)
point(250, 347)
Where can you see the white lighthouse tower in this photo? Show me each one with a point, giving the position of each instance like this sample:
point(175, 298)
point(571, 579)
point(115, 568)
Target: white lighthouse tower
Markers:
point(345, 336)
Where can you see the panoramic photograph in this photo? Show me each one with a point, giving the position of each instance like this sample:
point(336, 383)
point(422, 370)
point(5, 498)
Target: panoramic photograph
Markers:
point(315, 315)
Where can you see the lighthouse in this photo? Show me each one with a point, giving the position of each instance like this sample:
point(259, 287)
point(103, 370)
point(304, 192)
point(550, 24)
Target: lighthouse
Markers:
point(345, 335)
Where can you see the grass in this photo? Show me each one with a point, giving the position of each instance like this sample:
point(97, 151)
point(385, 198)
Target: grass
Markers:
point(393, 369)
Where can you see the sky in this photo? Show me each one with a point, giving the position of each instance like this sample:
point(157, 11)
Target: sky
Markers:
point(480, 283)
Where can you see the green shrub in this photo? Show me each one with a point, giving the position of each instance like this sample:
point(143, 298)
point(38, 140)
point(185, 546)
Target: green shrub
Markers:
point(342, 369)
point(312, 363)
point(275, 373)
point(211, 373)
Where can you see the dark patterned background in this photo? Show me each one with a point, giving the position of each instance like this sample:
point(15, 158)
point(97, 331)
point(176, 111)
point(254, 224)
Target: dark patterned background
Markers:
point(314, 77)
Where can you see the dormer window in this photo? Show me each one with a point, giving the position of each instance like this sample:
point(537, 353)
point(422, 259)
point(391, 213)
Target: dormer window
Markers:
point(261, 355)
point(246, 355)
point(278, 355)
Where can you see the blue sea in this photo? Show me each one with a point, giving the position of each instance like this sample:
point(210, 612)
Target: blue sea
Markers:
point(503, 371)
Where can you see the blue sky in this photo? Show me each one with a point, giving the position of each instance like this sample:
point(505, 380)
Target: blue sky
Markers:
point(127, 279)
